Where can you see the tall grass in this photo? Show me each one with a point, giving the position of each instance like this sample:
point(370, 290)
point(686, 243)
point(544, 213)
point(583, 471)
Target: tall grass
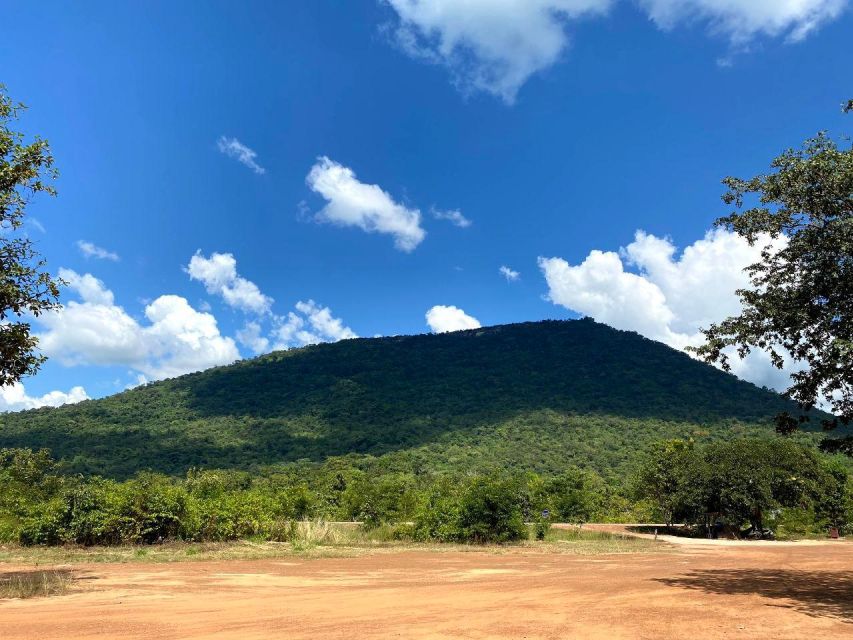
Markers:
point(586, 542)
point(33, 584)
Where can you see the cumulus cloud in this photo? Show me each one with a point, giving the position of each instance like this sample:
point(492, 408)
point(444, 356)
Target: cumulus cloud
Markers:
point(490, 46)
point(442, 319)
point(454, 217)
point(219, 275)
point(181, 340)
point(93, 330)
point(176, 339)
point(743, 20)
point(90, 250)
point(233, 148)
point(510, 274)
point(666, 297)
point(309, 324)
point(15, 398)
point(352, 203)
point(250, 336)
point(496, 46)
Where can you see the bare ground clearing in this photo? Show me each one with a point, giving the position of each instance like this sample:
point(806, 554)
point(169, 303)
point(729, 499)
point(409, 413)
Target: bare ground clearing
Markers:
point(744, 591)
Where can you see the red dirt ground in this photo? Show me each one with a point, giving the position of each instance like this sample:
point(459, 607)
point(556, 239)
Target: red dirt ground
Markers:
point(765, 591)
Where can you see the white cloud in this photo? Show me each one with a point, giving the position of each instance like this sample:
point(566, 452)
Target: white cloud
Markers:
point(668, 299)
point(455, 217)
point(90, 250)
point(497, 45)
point(95, 331)
point(219, 275)
point(250, 337)
point(442, 319)
point(181, 340)
point(14, 398)
point(352, 203)
point(490, 46)
point(743, 20)
point(510, 274)
point(310, 324)
point(91, 331)
point(233, 148)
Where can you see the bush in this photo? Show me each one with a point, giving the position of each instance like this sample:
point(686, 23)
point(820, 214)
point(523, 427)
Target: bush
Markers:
point(437, 513)
point(576, 496)
point(379, 500)
point(490, 512)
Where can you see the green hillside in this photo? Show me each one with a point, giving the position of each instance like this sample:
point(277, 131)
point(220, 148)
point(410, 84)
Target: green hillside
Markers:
point(534, 395)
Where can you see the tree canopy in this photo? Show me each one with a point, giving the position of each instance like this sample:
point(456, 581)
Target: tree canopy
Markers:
point(26, 289)
point(799, 308)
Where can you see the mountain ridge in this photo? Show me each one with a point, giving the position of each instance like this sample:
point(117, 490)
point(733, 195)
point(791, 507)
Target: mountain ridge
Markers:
point(398, 394)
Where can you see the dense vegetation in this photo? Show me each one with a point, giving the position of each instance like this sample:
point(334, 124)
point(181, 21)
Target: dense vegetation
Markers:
point(759, 484)
point(776, 483)
point(42, 505)
point(460, 437)
point(535, 396)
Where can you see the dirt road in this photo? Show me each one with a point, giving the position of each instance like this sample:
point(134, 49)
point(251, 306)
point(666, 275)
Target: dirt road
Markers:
point(725, 592)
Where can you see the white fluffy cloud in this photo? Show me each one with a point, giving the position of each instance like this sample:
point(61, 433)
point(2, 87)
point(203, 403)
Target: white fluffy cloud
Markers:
point(496, 45)
point(454, 217)
point(442, 319)
point(489, 45)
point(309, 324)
point(177, 339)
point(219, 275)
point(15, 398)
point(233, 148)
point(352, 203)
point(668, 298)
point(93, 330)
point(181, 340)
point(90, 250)
point(510, 274)
point(251, 336)
point(742, 20)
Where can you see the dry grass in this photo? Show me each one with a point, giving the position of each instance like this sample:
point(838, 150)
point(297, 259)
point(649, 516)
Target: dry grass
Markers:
point(320, 539)
point(33, 584)
point(585, 542)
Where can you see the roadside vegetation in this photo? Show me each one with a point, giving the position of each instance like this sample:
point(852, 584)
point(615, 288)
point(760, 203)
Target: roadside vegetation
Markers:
point(746, 484)
point(746, 488)
point(34, 583)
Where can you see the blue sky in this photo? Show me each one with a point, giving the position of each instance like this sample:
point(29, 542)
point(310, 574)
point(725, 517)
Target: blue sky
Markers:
point(369, 132)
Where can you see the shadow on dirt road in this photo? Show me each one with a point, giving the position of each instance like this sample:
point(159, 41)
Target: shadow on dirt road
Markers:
point(817, 594)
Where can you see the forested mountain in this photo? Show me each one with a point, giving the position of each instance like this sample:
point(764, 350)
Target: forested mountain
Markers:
point(534, 395)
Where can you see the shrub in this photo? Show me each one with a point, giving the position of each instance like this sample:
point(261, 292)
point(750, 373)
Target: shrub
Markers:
point(379, 500)
point(437, 513)
point(490, 512)
point(576, 496)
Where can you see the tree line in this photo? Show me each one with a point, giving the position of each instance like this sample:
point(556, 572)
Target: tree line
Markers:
point(747, 484)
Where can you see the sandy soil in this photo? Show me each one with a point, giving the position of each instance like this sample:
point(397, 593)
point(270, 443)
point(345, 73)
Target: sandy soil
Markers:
point(764, 591)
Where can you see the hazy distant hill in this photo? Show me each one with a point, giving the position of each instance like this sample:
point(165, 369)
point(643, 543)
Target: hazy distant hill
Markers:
point(534, 395)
